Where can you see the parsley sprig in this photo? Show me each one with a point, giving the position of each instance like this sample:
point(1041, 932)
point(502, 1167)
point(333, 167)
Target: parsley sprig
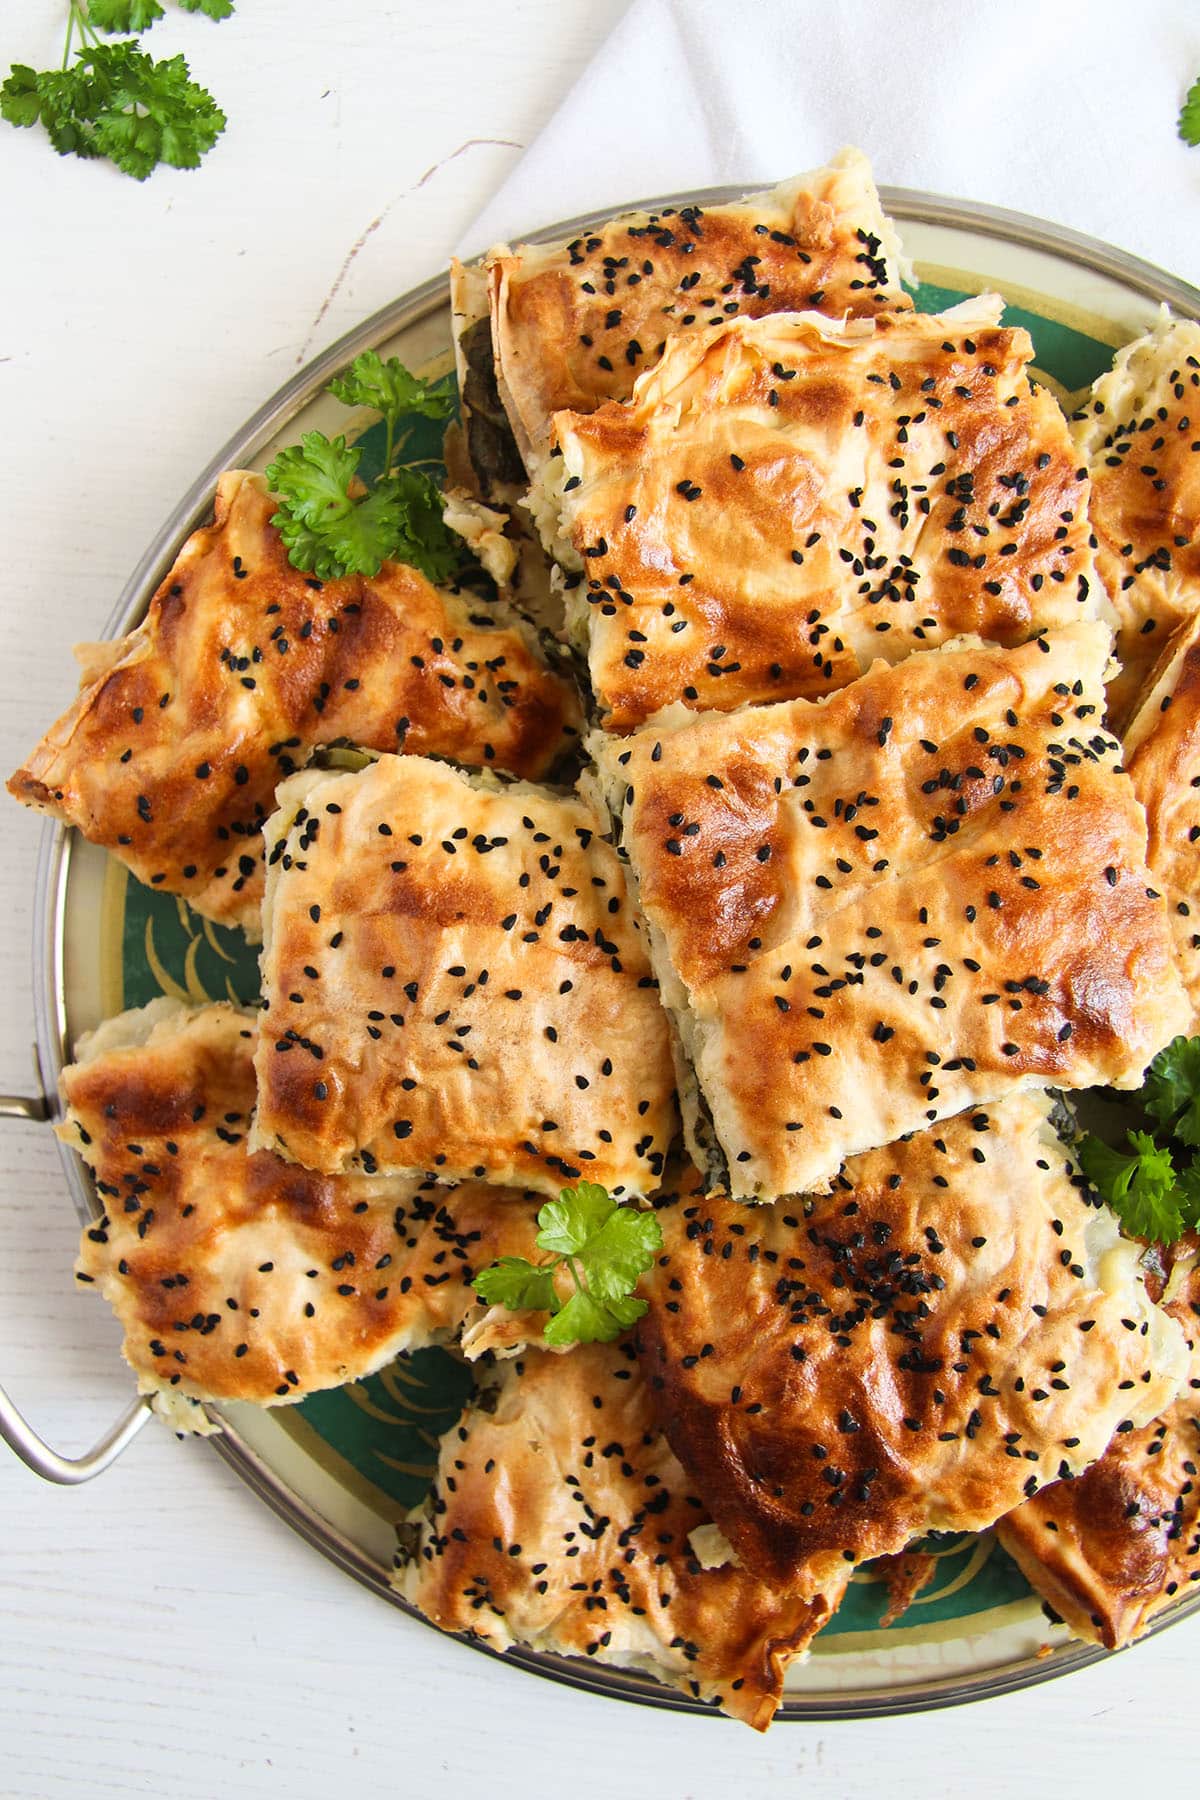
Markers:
point(1171, 1093)
point(114, 101)
point(1153, 1185)
point(603, 1246)
point(1189, 115)
point(332, 522)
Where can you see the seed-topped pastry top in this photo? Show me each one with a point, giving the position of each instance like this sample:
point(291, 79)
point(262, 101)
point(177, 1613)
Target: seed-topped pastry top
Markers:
point(949, 1329)
point(1162, 754)
point(1139, 434)
point(235, 1275)
point(1112, 1549)
point(455, 982)
point(560, 1519)
point(786, 499)
point(870, 912)
point(172, 752)
point(574, 324)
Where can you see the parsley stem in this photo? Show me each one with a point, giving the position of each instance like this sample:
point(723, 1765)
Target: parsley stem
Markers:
point(77, 16)
point(389, 442)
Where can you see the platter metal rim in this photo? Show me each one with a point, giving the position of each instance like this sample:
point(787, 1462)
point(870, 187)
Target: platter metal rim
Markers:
point(50, 909)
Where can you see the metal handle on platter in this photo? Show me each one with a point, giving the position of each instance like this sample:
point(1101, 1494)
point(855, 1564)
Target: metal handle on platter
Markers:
point(23, 1106)
point(34, 1452)
point(69, 1471)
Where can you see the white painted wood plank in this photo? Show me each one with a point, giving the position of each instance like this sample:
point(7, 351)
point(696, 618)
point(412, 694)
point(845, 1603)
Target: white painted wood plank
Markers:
point(163, 1632)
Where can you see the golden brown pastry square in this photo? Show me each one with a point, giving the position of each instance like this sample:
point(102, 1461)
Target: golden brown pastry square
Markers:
point(786, 499)
point(235, 1275)
point(1112, 1549)
point(870, 912)
point(574, 324)
point(455, 982)
point(949, 1329)
point(171, 754)
point(1162, 754)
point(561, 1520)
point(1139, 434)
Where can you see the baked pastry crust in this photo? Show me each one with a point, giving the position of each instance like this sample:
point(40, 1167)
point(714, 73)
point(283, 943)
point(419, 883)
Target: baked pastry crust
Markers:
point(574, 324)
point(787, 499)
point(455, 982)
point(1162, 754)
point(172, 751)
point(237, 1276)
point(870, 912)
point(482, 529)
point(950, 1328)
point(1112, 1549)
point(1137, 433)
point(480, 450)
point(560, 1519)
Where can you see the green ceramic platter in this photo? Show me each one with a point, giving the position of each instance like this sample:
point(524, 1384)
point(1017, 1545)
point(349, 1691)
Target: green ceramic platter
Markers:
point(342, 1466)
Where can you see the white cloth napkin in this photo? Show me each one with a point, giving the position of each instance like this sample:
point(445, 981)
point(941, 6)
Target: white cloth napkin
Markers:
point(1062, 108)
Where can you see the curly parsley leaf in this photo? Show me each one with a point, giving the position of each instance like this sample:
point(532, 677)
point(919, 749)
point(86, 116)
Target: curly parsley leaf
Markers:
point(585, 1320)
point(1140, 1187)
point(153, 112)
point(139, 15)
point(315, 477)
point(569, 1222)
point(610, 1244)
point(116, 102)
point(1171, 1092)
point(424, 539)
point(62, 115)
point(20, 98)
point(331, 522)
point(1187, 1192)
point(391, 389)
point(54, 97)
point(123, 15)
point(1189, 115)
point(519, 1285)
point(603, 1246)
point(360, 542)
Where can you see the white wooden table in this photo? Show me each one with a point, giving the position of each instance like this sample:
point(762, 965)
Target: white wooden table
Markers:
point(162, 1632)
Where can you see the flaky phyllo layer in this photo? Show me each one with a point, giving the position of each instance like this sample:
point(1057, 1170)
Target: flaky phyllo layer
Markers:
point(922, 893)
point(1136, 435)
point(787, 499)
point(243, 666)
point(455, 983)
point(574, 325)
point(237, 1276)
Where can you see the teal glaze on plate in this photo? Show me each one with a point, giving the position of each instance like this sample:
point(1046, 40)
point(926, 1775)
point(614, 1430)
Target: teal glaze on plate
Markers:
point(386, 1428)
point(418, 442)
point(1069, 355)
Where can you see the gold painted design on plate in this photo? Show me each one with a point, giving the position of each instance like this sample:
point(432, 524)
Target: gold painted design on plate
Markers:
point(423, 1471)
point(191, 992)
point(209, 933)
point(355, 1391)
